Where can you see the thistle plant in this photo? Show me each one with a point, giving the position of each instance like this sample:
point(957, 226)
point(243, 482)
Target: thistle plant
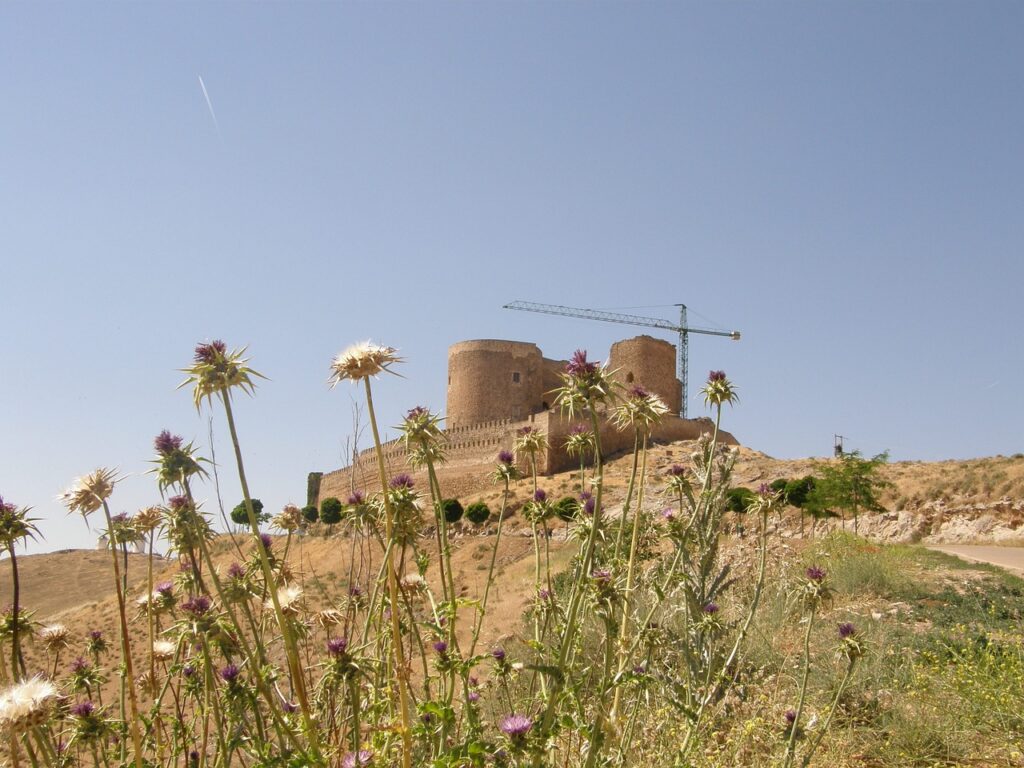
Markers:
point(531, 442)
point(362, 362)
point(16, 527)
point(580, 443)
point(89, 494)
point(216, 372)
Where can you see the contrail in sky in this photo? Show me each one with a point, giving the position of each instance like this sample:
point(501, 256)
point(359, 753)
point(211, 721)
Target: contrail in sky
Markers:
point(209, 104)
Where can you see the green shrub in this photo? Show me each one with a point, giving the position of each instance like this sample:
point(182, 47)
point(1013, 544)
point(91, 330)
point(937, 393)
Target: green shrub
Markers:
point(567, 508)
point(738, 499)
point(310, 514)
point(240, 516)
point(478, 513)
point(330, 511)
point(452, 510)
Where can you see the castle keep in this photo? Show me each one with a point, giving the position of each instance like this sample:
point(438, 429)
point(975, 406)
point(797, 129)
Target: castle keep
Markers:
point(496, 388)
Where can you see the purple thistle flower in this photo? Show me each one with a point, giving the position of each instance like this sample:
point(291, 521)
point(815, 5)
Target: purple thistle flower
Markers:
point(710, 609)
point(209, 353)
point(505, 457)
point(83, 709)
point(589, 506)
point(668, 514)
point(544, 594)
point(197, 606)
point(355, 591)
point(473, 697)
point(415, 413)
point(120, 518)
point(602, 577)
point(586, 495)
point(188, 671)
point(716, 376)
point(289, 707)
point(639, 669)
point(498, 654)
point(401, 481)
point(578, 429)
point(359, 759)
point(230, 674)
point(166, 443)
point(337, 646)
point(764, 489)
point(441, 647)
point(164, 588)
point(578, 366)
point(540, 496)
point(516, 726)
point(356, 499)
point(639, 393)
point(95, 635)
point(846, 629)
point(177, 503)
point(676, 470)
point(816, 574)
point(236, 571)
point(266, 541)
point(79, 666)
point(790, 716)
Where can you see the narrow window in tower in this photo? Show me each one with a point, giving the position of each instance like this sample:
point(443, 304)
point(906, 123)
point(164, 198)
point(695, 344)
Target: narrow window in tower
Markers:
point(515, 377)
point(629, 377)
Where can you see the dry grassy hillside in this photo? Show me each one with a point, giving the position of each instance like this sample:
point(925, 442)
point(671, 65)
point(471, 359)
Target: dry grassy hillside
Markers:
point(74, 587)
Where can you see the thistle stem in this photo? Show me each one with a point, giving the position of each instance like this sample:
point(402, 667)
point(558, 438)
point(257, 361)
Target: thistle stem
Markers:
point(126, 652)
point(401, 673)
point(298, 680)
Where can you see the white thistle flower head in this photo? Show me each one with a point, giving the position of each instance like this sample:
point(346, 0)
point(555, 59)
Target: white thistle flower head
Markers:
point(412, 582)
point(290, 600)
point(361, 361)
point(54, 637)
point(163, 650)
point(27, 704)
point(329, 617)
point(89, 492)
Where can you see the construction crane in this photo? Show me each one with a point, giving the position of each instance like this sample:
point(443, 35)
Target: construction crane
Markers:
point(684, 331)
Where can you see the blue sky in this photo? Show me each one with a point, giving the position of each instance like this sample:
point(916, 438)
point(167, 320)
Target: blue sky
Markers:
point(842, 182)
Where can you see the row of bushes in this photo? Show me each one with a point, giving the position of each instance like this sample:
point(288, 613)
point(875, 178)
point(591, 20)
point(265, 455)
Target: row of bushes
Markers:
point(332, 511)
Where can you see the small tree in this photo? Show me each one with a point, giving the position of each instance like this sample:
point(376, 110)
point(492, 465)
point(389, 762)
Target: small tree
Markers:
point(310, 514)
point(796, 494)
point(779, 487)
point(452, 510)
point(330, 512)
point(239, 515)
point(739, 499)
point(851, 484)
point(478, 513)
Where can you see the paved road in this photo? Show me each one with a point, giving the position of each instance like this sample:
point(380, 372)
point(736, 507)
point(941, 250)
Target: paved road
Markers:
point(1011, 558)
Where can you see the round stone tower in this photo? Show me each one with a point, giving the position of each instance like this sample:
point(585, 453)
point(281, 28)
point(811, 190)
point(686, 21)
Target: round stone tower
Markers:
point(649, 363)
point(491, 379)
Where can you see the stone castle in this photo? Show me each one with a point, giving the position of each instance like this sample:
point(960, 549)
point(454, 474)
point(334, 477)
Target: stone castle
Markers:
point(496, 388)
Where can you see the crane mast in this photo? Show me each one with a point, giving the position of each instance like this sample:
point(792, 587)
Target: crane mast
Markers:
point(684, 331)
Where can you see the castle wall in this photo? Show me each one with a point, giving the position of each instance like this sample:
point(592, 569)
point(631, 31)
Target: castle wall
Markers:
point(649, 363)
point(491, 379)
point(472, 452)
